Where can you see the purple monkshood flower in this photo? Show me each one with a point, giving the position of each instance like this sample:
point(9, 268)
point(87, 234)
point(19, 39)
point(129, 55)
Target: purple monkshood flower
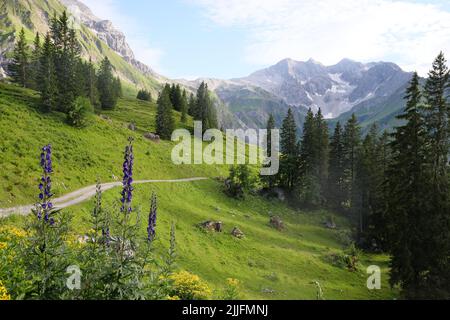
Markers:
point(151, 229)
point(45, 186)
point(127, 191)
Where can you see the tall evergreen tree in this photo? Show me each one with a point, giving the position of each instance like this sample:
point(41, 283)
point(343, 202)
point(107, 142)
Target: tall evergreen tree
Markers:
point(107, 85)
point(336, 179)
point(34, 62)
point(18, 69)
point(204, 110)
point(192, 105)
point(437, 116)
point(165, 123)
point(47, 80)
point(289, 153)
point(269, 181)
point(351, 145)
point(409, 212)
point(184, 106)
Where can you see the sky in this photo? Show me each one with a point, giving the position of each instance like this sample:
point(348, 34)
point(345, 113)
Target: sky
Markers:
point(233, 38)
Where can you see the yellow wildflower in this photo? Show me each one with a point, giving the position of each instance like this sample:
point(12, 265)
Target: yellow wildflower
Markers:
point(188, 286)
point(4, 293)
point(3, 246)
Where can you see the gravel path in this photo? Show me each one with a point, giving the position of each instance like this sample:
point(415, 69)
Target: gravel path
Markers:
point(84, 194)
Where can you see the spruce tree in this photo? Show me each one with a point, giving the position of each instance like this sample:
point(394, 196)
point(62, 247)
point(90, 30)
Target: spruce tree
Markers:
point(269, 181)
point(336, 179)
point(351, 145)
point(34, 62)
point(165, 123)
point(309, 191)
point(47, 80)
point(18, 69)
point(107, 85)
point(289, 153)
point(437, 116)
point(192, 105)
point(184, 107)
point(409, 212)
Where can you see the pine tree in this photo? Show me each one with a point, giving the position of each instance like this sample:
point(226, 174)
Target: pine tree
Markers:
point(18, 69)
point(309, 191)
point(91, 85)
point(204, 110)
point(34, 62)
point(184, 107)
point(165, 123)
point(107, 85)
point(323, 154)
point(437, 117)
point(289, 153)
point(269, 181)
point(336, 177)
point(192, 105)
point(408, 204)
point(351, 145)
point(176, 97)
point(47, 81)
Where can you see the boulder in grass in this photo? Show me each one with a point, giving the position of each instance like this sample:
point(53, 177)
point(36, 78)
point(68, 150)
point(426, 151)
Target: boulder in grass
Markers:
point(237, 233)
point(152, 136)
point(214, 226)
point(277, 223)
point(132, 127)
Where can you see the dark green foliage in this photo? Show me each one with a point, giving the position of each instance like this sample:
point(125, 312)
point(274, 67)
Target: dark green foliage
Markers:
point(192, 104)
point(47, 80)
point(314, 160)
point(203, 110)
point(35, 63)
point(351, 145)
point(108, 86)
point(144, 95)
point(289, 153)
point(414, 226)
point(79, 112)
point(19, 67)
point(176, 97)
point(336, 192)
point(269, 181)
point(184, 107)
point(239, 181)
point(165, 123)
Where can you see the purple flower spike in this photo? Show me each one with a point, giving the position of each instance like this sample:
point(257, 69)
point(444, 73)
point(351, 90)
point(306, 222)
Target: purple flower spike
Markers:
point(127, 191)
point(45, 185)
point(151, 229)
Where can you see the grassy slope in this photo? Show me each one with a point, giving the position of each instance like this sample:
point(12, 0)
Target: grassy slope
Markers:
point(286, 262)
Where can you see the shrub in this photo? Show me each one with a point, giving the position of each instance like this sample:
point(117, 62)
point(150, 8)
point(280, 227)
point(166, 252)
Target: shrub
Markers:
point(79, 113)
point(239, 181)
point(188, 286)
point(231, 290)
point(144, 95)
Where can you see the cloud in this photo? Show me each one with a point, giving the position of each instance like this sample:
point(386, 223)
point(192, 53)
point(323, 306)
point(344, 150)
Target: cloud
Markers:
point(408, 33)
point(137, 39)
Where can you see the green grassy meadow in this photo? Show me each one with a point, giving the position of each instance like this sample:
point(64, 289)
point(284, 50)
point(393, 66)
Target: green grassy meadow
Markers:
point(270, 264)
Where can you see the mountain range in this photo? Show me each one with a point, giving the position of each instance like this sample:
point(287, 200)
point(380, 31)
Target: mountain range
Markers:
point(373, 91)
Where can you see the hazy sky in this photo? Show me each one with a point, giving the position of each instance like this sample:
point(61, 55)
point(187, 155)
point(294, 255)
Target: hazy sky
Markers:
point(232, 38)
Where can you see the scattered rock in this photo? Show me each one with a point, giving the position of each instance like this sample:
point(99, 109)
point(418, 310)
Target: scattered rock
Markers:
point(216, 226)
point(268, 291)
point(277, 223)
point(152, 136)
point(237, 233)
point(132, 126)
point(330, 225)
point(105, 117)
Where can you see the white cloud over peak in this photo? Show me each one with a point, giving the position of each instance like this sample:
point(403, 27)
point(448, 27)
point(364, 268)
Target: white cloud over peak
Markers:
point(408, 33)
